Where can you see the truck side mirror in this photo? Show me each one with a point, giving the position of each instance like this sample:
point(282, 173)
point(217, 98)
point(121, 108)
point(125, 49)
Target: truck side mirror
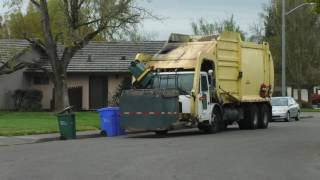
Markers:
point(211, 79)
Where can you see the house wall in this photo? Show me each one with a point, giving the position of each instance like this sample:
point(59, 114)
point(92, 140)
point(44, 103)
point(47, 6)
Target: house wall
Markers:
point(73, 81)
point(114, 80)
point(8, 84)
point(46, 92)
point(294, 93)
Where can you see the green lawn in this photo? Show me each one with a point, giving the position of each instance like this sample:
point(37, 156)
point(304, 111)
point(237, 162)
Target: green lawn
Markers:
point(26, 123)
point(310, 110)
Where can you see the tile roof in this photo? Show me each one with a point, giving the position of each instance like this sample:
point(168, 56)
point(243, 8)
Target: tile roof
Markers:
point(8, 48)
point(96, 56)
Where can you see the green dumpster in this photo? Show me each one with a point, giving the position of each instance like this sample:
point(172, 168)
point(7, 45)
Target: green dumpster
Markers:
point(67, 124)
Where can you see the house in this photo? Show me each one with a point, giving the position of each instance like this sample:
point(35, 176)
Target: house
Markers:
point(94, 73)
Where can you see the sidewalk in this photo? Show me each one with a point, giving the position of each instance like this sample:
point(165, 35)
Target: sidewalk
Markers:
point(310, 115)
point(19, 140)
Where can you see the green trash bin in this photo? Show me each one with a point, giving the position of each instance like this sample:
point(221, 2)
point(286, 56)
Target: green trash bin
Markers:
point(67, 124)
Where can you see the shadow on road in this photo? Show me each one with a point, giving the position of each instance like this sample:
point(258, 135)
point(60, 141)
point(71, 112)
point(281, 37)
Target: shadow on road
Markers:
point(170, 134)
point(282, 121)
point(179, 133)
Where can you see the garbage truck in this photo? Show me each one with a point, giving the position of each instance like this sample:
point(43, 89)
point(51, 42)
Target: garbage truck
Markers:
point(208, 82)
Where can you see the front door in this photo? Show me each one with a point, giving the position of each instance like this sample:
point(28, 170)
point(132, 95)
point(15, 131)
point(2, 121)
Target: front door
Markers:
point(204, 99)
point(98, 92)
point(75, 97)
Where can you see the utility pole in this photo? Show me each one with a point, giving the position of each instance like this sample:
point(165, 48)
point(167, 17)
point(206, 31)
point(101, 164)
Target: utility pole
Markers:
point(283, 43)
point(283, 49)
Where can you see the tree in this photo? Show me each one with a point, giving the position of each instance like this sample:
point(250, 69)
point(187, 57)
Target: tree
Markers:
point(27, 24)
point(138, 35)
point(303, 47)
point(317, 6)
point(84, 21)
point(3, 28)
point(257, 33)
point(203, 27)
point(21, 25)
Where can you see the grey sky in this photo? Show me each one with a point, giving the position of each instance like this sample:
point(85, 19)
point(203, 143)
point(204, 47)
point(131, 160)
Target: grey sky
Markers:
point(180, 13)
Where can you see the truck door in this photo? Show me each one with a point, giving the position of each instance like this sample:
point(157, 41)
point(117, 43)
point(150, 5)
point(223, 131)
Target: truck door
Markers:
point(204, 99)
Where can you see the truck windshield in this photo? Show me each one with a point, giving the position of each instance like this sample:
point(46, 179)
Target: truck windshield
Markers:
point(184, 82)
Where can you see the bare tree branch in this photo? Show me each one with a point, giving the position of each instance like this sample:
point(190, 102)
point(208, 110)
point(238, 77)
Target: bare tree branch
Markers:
point(89, 22)
point(34, 2)
point(147, 13)
point(37, 45)
point(81, 3)
point(17, 62)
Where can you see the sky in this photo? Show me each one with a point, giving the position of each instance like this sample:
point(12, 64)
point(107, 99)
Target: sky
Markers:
point(178, 14)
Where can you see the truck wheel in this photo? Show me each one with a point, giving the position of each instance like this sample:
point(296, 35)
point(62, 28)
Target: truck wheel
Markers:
point(264, 116)
point(225, 126)
point(162, 132)
point(243, 124)
point(215, 124)
point(251, 117)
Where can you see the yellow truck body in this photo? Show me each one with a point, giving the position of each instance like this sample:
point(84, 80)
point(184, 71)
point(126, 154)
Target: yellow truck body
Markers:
point(205, 81)
point(241, 69)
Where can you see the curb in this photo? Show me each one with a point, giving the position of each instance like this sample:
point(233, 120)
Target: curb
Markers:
point(32, 139)
point(57, 138)
point(306, 117)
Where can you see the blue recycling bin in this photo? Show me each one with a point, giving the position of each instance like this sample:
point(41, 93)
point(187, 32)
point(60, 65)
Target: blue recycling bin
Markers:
point(110, 121)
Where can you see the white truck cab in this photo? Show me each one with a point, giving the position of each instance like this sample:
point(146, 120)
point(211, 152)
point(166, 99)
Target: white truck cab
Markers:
point(184, 82)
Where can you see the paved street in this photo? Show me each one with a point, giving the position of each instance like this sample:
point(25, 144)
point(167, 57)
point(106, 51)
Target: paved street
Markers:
point(284, 151)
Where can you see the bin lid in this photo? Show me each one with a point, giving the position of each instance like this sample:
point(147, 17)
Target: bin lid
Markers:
point(67, 110)
point(108, 109)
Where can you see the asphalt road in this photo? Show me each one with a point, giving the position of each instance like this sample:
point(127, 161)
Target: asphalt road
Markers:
point(284, 151)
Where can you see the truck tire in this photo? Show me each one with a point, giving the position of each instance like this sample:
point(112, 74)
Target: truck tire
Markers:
point(251, 117)
point(215, 124)
point(243, 124)
point(264, 116)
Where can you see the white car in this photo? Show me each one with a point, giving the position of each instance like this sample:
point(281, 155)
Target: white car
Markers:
point(285, 108)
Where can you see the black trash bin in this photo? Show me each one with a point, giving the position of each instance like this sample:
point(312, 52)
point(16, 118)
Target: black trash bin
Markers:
point(67, 124)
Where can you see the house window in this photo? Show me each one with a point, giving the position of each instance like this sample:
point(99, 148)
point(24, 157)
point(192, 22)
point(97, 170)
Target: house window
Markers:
point(40, 80)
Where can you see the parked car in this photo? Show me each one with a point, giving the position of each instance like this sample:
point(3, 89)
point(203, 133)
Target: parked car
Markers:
point(285, 108)
point(315, 100)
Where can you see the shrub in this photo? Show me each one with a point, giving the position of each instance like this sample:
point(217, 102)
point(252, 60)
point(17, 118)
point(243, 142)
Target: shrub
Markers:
point(305, 104)
point(27, 100)
point(18, 98)
point(125, 84)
